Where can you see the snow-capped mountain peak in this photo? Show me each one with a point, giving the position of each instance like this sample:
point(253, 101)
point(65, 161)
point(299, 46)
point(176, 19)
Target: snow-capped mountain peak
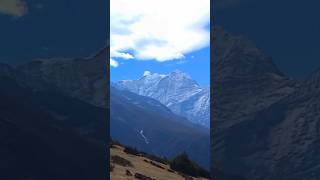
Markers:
point(176, 90)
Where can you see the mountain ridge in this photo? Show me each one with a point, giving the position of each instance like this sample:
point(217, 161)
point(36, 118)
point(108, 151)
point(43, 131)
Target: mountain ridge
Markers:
point(177, 90)
point(264, 122)
point(146, 124)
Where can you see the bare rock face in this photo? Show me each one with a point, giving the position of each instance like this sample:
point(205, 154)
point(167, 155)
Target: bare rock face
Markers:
point(295, 137)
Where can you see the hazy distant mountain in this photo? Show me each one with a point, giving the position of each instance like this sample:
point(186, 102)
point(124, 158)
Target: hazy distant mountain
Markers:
point(265, 124)
point(147, 124)
point(176, 90)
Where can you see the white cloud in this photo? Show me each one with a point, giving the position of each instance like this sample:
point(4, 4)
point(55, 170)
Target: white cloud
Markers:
point(146, 73)
point(113, 63)
point(116, 54)
point(15, 8)
point(159, 30)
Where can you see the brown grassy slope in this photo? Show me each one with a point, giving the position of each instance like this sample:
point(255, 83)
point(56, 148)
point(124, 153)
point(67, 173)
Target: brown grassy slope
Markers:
point(140, 165)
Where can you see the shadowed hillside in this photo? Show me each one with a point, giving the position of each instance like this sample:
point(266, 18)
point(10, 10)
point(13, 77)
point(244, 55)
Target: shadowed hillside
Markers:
point(145, 123)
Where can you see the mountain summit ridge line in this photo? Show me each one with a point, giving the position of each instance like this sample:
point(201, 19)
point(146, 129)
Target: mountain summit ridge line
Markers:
point(176, 90)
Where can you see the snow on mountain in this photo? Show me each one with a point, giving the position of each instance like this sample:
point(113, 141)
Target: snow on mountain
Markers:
point(176, 90)
point(143, 136)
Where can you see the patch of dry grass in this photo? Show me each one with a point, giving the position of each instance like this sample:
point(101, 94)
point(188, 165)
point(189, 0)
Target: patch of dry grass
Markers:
point(142, 167)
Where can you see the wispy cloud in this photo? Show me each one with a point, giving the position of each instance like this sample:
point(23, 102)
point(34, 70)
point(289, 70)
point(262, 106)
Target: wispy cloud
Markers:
point(114, 63)
point(16, 8)
point(158, 30)
point(122, 55)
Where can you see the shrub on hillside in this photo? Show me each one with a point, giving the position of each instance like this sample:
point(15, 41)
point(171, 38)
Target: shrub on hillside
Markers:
point(183, 164)
point(132, 151)
point(161, 160)
point(112, 143)
point(142, 177)
point(121, 161)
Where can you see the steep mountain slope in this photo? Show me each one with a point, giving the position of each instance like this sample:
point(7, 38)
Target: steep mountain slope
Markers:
point(245, 81)
point(265, 125)
point(294, 133)
point(145, 123)
point(244, 77)
point(176, 90)
point(42, 139)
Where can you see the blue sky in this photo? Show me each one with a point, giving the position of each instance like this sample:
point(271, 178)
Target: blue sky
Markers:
point(196, 64)
point(149, 35)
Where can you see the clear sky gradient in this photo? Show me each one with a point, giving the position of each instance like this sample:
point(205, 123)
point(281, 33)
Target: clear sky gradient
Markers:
point(196, 64)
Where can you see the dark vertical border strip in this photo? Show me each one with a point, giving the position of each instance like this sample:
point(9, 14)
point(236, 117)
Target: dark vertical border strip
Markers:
point(211, 86)
point(108, 94)
point(212, 89)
